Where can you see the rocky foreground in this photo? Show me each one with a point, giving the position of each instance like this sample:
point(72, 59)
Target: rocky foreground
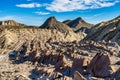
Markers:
point(61, 61)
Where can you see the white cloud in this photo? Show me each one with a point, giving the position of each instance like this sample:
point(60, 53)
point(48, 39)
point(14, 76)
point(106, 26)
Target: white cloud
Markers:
point(42, 13)
point(30, 5)
point(71, 5)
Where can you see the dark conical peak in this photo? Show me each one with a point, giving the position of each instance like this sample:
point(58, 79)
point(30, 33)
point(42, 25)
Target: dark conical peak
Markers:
point(50, 21)
point(52, 18)
point(79, 19)
point(53, 23)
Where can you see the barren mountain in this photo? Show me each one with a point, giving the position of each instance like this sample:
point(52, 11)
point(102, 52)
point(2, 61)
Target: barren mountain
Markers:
point(78, 24)
point(52, 23)
point(108, 31)
point(11, 23)
point(55, 53)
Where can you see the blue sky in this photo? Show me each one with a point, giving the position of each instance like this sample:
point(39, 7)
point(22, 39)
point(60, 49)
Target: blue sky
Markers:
point(35, 12)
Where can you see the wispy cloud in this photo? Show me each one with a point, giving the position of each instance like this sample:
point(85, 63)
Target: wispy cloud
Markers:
point(94, 16)
point(42, 13)
point(30, 5)
point(71, 5)
point(10, 17)
point(7, 18)
point(29, 0)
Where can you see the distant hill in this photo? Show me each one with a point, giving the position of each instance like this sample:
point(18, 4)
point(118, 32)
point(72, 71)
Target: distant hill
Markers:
point(11, 23)
point(78, 24)
point(52, 23)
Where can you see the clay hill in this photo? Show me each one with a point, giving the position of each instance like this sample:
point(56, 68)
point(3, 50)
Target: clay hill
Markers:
point(108, 31)
point(52, 23)
point(11, 23)
point(78, 24)
point(55, 52)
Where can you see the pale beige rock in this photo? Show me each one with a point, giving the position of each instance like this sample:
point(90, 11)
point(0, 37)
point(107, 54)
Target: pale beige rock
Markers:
point(8, 39)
